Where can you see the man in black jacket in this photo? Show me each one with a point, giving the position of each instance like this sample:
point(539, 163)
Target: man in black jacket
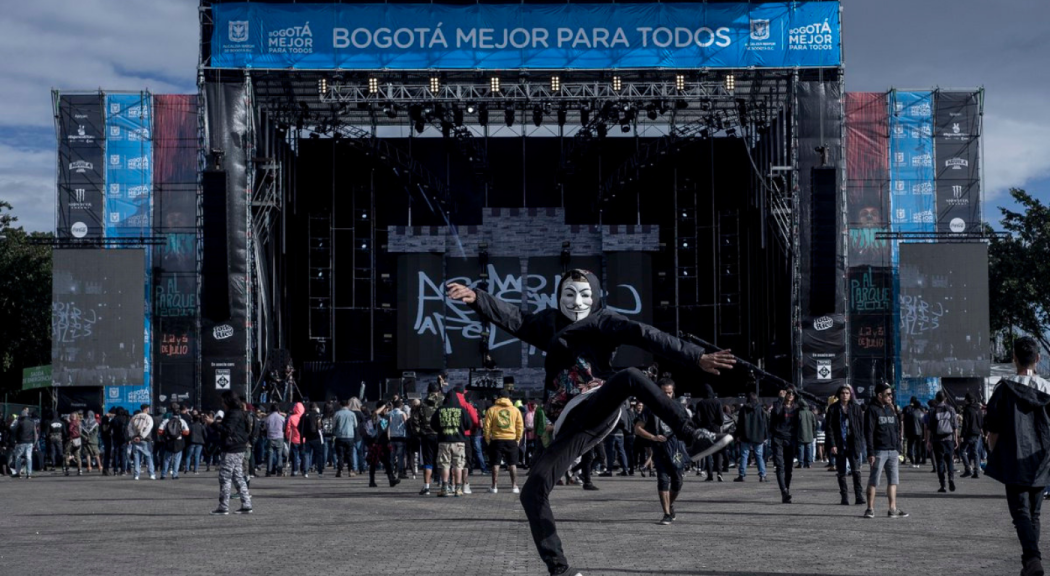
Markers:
point(845, 433)
point(1019, 449)
point(752, 429)
point(913, 427)
point(708, 415)
point(233, 441)
point(783, 428)
point(578, 337)
point(882, 434)
point(972, 429)
point(942, 436)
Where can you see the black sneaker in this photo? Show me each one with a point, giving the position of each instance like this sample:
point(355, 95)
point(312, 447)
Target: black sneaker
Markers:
point(220, 512)
point(566, 571)
point(869, 513)
point(898, 513)
point(667, 519)
point(589, 486)
point(785, 498)
point(243, 510)
point(673, 515)
point(941, 490)
point(706, 443)
point(951, 485)
point(965, 474)
point(738, 479)
point(1033, 567)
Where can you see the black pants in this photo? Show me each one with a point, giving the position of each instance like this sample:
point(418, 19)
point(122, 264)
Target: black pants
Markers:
point(915, 449)
point(840, 470)
point(970, 457)
point(784, 461)
point(1024, 503)
point(943, 457)
point(344, 449)
point(590, 419)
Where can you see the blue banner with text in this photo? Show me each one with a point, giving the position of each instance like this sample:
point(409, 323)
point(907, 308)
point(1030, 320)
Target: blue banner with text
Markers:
point(519, 36)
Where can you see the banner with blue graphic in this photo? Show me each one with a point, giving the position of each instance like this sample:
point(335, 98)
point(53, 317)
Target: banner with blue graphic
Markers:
point(129, 159)
point(517, 36)
point(912, 191)
point(129, 186)
point(130, 397)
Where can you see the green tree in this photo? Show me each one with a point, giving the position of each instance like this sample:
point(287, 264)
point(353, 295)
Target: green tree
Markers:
point(1018, 266)
point(25, 300)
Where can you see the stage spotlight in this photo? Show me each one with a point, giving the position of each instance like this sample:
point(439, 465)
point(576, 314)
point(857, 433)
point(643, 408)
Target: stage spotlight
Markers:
point(537, 116)
point(420, 126)
point(679, 82)
point(435, 84)
point(390, 110)
point(563, 115)
point(603, 130)
point(415, 113)
point(625, 128)
point(663, 107)
point(555, 83)
point(617, 83)
point(362, 214)
point(494, 84)
point(457, 115)
point(729, 82)
point(685, 242)
point(373, 85)
point(364, 244)
point(731, 132)
point(585, 116)
point(650, 111)
point(471, 108)
point(322, 86)
point(483, 115)
point(508, 115)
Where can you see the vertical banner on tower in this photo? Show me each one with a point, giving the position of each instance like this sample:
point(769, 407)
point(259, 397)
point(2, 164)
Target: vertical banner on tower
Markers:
point(129, 161)
point(174, 220)
point(81, 149)
point(957, 131)
point(870, 280)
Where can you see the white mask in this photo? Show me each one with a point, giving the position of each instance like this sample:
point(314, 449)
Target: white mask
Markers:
point(575, 300)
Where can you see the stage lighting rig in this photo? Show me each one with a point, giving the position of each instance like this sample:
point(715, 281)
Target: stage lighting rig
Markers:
point(555, 83)
point(322, 86)
point(537, 116)
point(563, 116)
point(603, 130)
point(471, 108)
point(483, 115)
point(435, 84)
point(679, 82)
point(617, 83)
point(650, 112)
point(373, 85)
point(494, 84)
point(585, 116)
point(508, 115)
point(729, 82)
point(390, 110)
point(457, 115)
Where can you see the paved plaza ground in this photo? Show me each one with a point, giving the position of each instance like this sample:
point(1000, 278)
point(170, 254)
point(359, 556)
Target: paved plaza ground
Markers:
point(58, 525)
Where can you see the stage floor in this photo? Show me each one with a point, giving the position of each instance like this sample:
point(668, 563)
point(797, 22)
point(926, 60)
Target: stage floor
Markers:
point(327, 525)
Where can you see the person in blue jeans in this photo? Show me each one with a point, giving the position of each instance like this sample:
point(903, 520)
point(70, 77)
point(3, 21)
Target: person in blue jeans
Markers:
point(196, 444)
point(752, 429)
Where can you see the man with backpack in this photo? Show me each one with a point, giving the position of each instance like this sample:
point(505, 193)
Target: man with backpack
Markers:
point(942, 436)
point(140, 429)
point(311, 434)
point(913, 432)
point(173, 431)
point(1019, 449)
point(428, 439)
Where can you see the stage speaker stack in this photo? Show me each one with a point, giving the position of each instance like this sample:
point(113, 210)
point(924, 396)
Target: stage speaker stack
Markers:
point(215, 281)
point(823, 241)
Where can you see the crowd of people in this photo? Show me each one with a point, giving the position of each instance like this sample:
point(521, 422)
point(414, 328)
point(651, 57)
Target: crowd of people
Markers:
point(450, 432)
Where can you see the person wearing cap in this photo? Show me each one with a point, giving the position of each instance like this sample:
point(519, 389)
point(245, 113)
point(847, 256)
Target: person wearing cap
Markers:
point(882, 434)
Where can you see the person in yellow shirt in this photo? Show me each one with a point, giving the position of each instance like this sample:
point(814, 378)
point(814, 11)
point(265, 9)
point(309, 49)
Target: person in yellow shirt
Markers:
point(504, 428)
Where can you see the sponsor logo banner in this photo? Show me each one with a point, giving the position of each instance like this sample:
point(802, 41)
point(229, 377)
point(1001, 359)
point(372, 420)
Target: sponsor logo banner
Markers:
point(912, 198)
point(81, 153)
point(515, 36)
point(129, 163)
point(958, 128)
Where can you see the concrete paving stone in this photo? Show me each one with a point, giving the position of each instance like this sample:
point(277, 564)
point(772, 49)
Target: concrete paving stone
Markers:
point(327, 525)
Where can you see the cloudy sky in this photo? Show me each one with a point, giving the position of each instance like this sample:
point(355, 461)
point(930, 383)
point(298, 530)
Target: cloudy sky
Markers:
point(136, 44)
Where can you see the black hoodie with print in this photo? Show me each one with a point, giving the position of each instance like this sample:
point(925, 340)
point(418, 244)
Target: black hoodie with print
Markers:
point(1018, 414)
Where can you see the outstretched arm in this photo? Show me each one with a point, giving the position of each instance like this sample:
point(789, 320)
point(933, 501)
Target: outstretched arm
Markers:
point(663, 344)
point(522, 325)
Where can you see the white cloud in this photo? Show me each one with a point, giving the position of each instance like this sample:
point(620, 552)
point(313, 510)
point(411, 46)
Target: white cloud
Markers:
point(27, 181)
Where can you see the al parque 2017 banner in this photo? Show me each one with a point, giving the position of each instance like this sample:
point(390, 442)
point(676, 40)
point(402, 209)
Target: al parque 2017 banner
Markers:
point(519, 36)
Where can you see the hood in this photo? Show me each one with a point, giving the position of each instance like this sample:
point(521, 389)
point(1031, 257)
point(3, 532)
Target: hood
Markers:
point(455, 399)
point(298, 409)
point(505, 402)
point(1032, 391)
point(597, 296)
point(707, 392)
point(89, 423)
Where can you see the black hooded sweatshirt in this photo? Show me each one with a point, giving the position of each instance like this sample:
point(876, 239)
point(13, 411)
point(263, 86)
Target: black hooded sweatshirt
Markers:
point(708, 412)
point(1017, 412)
point(594, 339)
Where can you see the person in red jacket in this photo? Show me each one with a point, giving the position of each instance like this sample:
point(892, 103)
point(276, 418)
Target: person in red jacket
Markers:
point(470, 446)
point(295, 441)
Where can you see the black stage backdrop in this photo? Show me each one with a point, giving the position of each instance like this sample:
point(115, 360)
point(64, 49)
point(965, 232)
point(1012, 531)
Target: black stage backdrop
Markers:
point(84, 398)
point(420, 312)
point(97, 317)
point(944, 310)
point(957, 126)
point(80, 166)
point(541, 287)
point(629, 289)
point(463, 327)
